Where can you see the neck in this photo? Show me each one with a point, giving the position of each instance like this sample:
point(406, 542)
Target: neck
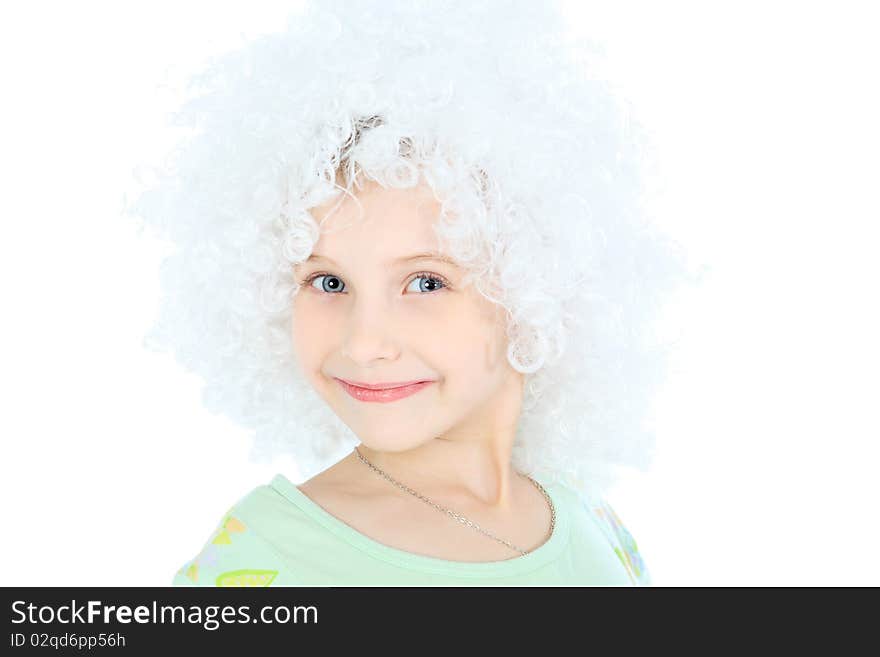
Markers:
point(450, 469)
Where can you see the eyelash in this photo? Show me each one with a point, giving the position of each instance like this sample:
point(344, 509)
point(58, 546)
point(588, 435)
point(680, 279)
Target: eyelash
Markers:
point(422, 274)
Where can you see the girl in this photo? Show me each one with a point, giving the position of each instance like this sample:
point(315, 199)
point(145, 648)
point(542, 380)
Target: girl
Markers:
point(411, 254)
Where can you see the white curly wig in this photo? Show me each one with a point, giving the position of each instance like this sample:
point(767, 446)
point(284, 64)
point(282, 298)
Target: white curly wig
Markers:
point(540, 173)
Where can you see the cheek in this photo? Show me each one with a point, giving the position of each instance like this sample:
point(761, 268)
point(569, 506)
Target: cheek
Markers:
point(472, 342)
point(308, 332)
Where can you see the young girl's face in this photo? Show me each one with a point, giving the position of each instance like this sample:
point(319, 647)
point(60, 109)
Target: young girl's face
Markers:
point(370, 312)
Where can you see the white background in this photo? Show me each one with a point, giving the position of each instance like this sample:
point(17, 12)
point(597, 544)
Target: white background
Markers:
point(766, 118)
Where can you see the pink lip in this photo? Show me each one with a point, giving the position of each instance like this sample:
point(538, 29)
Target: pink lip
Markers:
point(385, 392)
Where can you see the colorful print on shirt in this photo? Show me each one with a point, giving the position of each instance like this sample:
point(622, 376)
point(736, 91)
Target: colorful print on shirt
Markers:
point(624, 544)
point(213, 550)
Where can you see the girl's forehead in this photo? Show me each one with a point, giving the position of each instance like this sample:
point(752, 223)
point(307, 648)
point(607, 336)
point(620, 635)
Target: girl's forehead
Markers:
point(399, 219)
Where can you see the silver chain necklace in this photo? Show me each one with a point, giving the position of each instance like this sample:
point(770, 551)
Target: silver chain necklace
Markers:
point(461, 518)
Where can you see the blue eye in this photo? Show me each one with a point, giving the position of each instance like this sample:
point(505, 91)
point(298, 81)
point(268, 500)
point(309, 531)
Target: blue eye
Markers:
point(334, 285)
point(433, 281)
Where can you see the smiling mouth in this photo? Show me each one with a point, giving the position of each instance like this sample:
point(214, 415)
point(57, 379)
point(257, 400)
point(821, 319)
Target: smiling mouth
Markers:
point(382, 386)
point(388, 393)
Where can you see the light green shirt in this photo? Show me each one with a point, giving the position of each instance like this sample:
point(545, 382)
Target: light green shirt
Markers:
point(277, 536)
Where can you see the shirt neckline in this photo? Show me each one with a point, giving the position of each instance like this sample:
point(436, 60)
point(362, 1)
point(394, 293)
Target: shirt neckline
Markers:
point(543, 554)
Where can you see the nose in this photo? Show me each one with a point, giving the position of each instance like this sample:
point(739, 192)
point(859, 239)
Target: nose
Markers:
point(369, 334)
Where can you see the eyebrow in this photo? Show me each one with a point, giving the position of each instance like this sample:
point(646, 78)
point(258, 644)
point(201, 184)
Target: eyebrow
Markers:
point(418, 256)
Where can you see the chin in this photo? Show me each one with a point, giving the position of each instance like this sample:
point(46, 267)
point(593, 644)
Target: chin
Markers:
point(385, 441)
